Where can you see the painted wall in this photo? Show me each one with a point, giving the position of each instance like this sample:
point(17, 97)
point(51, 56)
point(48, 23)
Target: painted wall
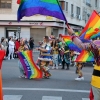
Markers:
point(2, 32)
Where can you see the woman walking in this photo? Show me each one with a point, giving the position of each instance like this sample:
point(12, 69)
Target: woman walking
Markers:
point(11, 45)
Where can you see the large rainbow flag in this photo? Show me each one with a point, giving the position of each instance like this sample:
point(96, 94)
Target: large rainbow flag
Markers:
point(30, 68)
point(92, 28)
point(85, 56)
point(42, 7)
point(71, 45)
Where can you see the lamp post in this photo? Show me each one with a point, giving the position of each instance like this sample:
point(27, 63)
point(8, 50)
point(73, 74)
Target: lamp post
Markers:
point(19, 30)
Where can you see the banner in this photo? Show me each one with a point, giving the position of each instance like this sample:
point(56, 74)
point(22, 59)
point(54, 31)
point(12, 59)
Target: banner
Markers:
point(30, 68)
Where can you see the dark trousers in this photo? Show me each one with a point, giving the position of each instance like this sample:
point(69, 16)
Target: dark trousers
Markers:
point(63, 64)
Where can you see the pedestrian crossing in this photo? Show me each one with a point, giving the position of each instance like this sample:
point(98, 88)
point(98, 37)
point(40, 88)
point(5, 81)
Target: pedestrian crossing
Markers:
point(12, 97)
point(18, 97)
point(85, 99)
point(51, 98)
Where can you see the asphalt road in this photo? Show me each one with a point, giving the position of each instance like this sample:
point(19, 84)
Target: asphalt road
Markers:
point(61, 85)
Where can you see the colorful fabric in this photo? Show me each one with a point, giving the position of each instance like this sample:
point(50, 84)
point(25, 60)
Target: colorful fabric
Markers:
point(71, 45)
point(18, 1)
point(92, 28)
point(42, 7)
point(77, 33)
point(2, 54)
point(85, 56)
point(95, 81)
point(95, 35)
point(91, 96)
point(30, 68)
point(44, 68)
point(1, 92)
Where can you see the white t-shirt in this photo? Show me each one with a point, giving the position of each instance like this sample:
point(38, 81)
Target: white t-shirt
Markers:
point(11, 44)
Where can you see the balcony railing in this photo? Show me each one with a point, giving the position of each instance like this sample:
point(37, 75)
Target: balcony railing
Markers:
point(88, 4)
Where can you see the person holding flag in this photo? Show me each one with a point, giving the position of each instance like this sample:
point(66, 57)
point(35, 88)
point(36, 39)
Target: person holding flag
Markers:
point(95, 81)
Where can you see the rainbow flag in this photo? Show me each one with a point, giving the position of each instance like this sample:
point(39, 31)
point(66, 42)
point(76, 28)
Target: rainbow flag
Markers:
point(30, 68)
point(92, 28)
point(85, 56)
point(77, 33)
point(18, 1)
point(96, 35)
point(71, 45)
point(42, 7)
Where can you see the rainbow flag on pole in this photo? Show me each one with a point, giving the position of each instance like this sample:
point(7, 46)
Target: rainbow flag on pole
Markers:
point(92, 28)
point(85, 56)
point(71, 45)
point(42, 7)
point(30, 68)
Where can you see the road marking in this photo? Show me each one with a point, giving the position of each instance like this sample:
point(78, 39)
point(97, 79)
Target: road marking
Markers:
point(85, 99)
point(51, 98)
point(46, 89)
point(12, 97)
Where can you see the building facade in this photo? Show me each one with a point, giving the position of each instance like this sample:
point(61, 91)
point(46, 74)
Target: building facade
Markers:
point(77, 13)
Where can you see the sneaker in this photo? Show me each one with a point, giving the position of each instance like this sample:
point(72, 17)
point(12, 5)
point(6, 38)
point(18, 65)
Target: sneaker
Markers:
point(25, 76)
point(56, 67)
point(82, 78)
point(22, 76)
point(60, 64)
point(53, 67)
point(12, 58)
point(8, 58)
point(79, 79)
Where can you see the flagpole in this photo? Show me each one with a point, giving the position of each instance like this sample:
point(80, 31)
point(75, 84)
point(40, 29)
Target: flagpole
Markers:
point(63, 15)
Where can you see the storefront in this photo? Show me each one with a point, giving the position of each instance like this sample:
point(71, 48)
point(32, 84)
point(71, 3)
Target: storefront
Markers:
point(37, 30)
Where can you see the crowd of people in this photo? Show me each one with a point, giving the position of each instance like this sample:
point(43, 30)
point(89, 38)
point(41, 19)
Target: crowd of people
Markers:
point(54, 52)
point(11, 45)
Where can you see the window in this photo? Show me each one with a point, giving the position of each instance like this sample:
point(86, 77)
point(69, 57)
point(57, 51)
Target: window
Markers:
point(5, 3)
point(88, 3)
point(96, 3)
point(78, 10)
point(66, 6)
point(62, 4)
point(71, 8)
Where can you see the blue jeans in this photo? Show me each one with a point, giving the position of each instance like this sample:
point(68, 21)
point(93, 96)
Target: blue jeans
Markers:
point(59, 59)
point(20, 68)
point(55, 59)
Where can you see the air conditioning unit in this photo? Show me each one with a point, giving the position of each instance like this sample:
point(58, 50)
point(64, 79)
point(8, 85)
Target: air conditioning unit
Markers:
point(79, 17)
